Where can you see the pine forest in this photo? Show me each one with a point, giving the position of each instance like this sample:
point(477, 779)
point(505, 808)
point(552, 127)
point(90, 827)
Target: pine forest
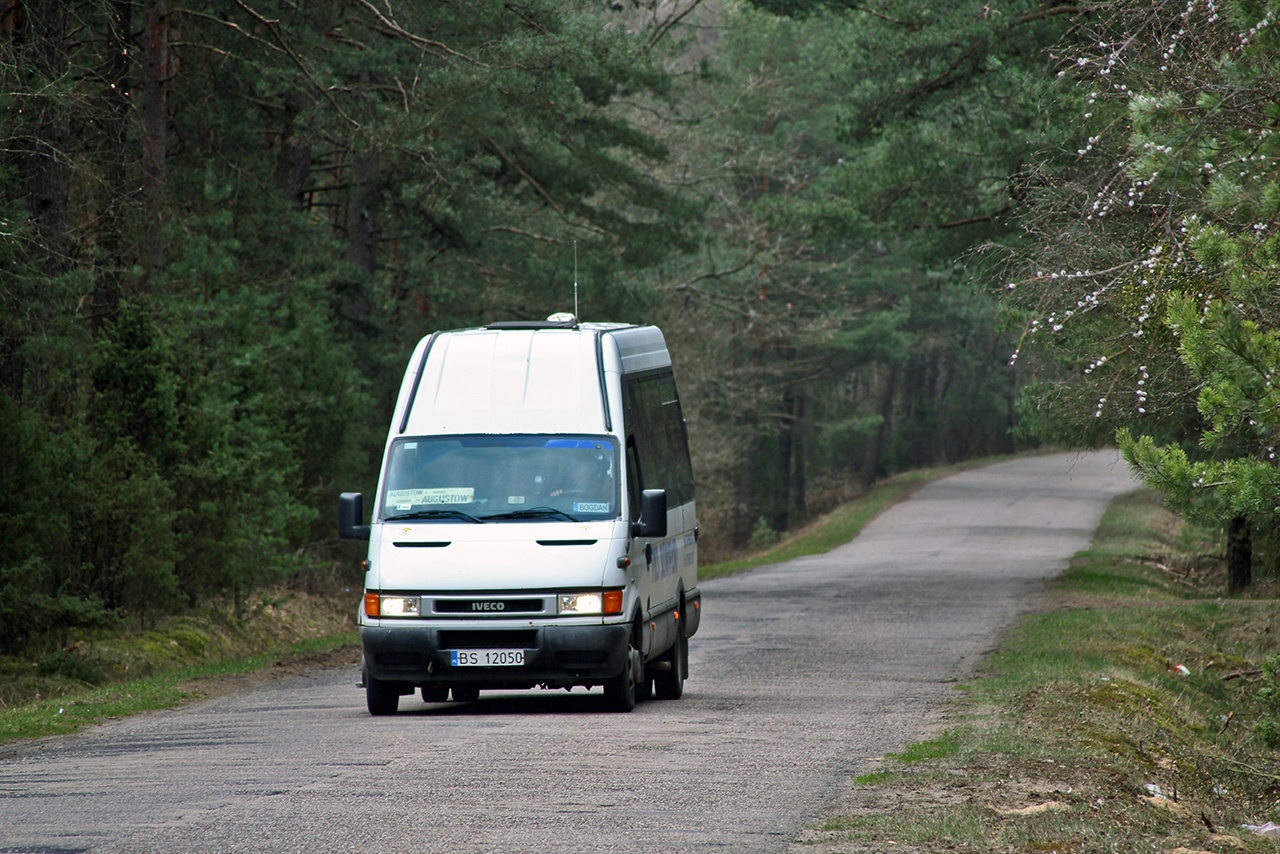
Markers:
point(878, 235)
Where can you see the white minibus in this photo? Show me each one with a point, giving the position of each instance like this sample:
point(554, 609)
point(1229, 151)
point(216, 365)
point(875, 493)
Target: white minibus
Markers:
point(534, 524)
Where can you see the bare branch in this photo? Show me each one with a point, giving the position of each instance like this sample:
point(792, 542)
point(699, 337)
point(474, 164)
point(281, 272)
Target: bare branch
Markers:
point(551, 200)
point(529, 234)
point(661, 30)
point(417, 39)
point(973, 220)
point(274, 27)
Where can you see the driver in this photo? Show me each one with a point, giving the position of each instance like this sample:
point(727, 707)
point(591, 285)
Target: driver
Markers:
point(596, 486)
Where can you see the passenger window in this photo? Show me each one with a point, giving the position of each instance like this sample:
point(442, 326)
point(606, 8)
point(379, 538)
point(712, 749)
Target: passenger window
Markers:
point(661, 452)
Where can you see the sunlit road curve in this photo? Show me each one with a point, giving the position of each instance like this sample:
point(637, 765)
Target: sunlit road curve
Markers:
point(800, 674)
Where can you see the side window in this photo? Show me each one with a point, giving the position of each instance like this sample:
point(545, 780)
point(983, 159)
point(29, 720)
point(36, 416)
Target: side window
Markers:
point(655, 421)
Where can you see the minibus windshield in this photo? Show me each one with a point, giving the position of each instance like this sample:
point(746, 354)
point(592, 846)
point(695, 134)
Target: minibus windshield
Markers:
point(509, 478)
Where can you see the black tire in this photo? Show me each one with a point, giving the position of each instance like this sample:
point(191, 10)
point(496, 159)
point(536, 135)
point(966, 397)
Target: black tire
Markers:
point(669, 684)
point(382, 697)
point(620, 692)
point(465, 694)
point(434, 694)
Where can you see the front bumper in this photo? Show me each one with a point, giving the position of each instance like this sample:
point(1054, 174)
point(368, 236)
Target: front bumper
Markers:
point(554, 655)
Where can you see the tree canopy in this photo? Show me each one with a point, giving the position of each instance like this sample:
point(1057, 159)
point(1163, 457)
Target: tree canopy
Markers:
point(1156, 258)
point(851, 160)
point(223, 227)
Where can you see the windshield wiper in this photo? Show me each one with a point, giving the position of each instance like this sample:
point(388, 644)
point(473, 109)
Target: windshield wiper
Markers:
point(534, 513)
point(433, 514)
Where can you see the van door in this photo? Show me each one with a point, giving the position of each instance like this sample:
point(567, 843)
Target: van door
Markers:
point(657, 457)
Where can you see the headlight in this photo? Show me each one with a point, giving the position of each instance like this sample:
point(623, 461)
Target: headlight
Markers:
point(377, 605)
point(591, 602)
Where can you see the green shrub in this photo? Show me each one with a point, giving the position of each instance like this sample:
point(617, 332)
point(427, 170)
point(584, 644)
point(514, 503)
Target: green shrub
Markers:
point(1268, 697)
point(67, 664)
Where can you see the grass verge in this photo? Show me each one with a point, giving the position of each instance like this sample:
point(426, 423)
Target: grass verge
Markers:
point(1138, 711)
point(105, 675)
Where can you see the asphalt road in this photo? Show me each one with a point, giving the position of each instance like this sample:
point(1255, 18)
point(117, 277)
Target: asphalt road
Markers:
point(800, 675)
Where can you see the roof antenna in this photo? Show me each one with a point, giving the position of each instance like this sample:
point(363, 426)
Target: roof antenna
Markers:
point(564, 317)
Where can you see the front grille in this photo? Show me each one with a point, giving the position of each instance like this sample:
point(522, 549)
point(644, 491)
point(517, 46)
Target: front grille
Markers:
point(489, 639)
point(489, 606)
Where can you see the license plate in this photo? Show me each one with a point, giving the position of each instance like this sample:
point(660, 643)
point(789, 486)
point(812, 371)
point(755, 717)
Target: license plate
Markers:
point(487, 657)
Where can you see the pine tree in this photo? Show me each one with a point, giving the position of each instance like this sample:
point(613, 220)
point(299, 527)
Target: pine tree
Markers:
point(224, 225)
point(1156, 284)
point(851, 159)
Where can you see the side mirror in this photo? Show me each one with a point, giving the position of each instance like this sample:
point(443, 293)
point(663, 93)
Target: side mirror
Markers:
point(350, 514)
point(653, 514)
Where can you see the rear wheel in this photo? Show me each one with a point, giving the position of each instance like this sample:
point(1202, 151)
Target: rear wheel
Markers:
point(434, 694)
point(382, 697)
point(669, 684)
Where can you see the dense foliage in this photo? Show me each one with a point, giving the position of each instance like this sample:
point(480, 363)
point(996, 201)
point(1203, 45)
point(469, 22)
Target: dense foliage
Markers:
point(1156, 259)
point(852, 158)
point(223, 226)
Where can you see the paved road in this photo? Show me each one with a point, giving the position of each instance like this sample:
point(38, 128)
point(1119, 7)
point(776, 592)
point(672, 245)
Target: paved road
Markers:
point(801, 673)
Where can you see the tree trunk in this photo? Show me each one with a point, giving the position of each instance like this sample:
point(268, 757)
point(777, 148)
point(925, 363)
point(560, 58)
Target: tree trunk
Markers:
point(782, 520)
point(749, 487)
point(38, 154)
point(888, 389)
point(796, 507)
point(46, 171)
point(1011, 408)
point(1239, 554)
point(108, 232)
point(362, 224)
point(293, 160)
point(156, 70)
point(746, 489)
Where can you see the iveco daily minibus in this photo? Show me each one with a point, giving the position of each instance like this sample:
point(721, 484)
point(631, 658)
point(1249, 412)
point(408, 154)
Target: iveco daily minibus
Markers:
point(534, 524)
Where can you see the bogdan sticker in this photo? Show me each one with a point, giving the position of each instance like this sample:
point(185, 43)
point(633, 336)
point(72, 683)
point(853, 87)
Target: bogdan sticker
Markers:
point(403, 499)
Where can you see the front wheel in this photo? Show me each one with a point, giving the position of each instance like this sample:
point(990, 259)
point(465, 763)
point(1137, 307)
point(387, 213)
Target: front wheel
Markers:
point(620, 692)
point(382, 697)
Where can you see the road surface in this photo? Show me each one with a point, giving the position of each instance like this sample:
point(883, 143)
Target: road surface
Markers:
point(801, 673)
